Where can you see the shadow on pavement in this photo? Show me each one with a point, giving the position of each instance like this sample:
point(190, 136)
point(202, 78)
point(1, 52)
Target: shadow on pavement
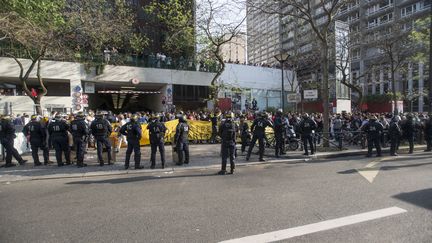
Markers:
point(135, 179)
point(420, 198)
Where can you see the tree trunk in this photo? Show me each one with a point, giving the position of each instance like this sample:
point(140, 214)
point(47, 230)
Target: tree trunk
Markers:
point(325, 92)
point(38, 107)
point(214, 85)
point(393, 83)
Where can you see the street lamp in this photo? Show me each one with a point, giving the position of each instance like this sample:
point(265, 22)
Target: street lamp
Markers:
point(282, 58)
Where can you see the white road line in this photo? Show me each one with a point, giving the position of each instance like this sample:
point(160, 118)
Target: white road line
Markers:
point(317, 227)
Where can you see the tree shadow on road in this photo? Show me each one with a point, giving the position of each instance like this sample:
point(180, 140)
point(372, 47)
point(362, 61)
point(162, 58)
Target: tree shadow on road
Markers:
point(421, 198)
point(135, 179)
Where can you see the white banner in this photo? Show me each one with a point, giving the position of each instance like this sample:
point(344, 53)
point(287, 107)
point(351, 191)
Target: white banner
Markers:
point(310, 94)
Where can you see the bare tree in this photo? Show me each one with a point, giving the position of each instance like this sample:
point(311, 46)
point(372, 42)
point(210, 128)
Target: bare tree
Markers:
point(214, 31)
point(307, 11)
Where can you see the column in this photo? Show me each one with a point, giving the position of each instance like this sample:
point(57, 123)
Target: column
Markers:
point(373, 83)
point(381, 81)
point(420, 87)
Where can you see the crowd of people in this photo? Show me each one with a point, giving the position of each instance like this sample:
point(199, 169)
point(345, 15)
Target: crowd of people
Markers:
point(75, 132)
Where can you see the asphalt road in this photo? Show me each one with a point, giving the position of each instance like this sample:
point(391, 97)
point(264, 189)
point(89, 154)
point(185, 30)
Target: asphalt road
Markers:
point(198, 206)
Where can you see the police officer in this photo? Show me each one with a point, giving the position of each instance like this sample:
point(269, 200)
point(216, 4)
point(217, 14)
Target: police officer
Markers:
point(227, 131)
point(214, 118)
point(373, 131)
point(182, 141)
point(132, 131)
point(244, 133)
point(101, 130)
point(38, 137)
point(258, 129)
point(307, 128)
point(157, 133)
point(7, 136)
point(280, 126)
point(80, 132)
point(394, 135)
point(408, 128)
point(58, 133)
point(428, 133)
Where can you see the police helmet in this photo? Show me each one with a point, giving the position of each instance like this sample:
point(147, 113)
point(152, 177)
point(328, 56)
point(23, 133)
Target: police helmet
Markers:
point(229, 115)
point(80, 114)
point(305, 115)
point(372, 117)
point(134, 117)
point(396, 118)
point(34, 117)
point(58, 116)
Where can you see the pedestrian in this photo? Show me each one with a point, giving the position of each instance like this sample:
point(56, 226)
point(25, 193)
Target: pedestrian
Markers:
point(58, 133)
point(258, 129)
point(395, 133)
point(428, 133)
point(408, 128)
point(244, 133)
point(132, 131)
point(280, 127)
point(36, 134)
point(227, 132)
point(157, 134)
point(80, 131)
point(101, 130)
point(7, 136)
point(214, 118)
point(307, 128)
point(181, 139)
point(373, 130)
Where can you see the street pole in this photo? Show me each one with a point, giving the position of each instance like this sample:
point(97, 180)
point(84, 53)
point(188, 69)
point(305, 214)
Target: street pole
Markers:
point(283, 89)
point(430, 61)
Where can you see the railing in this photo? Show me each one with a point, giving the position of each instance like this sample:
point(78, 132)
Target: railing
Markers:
point(146, 61)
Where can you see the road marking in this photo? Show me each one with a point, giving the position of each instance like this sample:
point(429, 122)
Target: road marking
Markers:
point(370, 171)
point(317, 227)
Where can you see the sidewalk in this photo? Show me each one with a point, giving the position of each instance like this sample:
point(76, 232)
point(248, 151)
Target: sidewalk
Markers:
point(202, 156)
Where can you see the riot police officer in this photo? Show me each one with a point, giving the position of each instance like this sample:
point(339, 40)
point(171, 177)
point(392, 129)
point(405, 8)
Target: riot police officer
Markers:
point(182, 141)
point(428, 133)
point(132, 131)
point(227, 131)
point(307, 128)
point(80, 132)
point(395, 133)
point(214, 118)
point(101, 130)
point(373, 131)
point(7, 136)
point(258, 129)
point(409, 128)
point(244, 133)
point(58, 133)
point(280, 126)
point(38, 139)
point(157, 134)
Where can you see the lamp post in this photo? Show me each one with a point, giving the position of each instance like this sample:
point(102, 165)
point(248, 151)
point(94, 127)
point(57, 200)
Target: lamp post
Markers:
point(282, 58)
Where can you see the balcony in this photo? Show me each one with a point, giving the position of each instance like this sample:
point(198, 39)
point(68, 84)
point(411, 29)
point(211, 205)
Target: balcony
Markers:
point(380, 10)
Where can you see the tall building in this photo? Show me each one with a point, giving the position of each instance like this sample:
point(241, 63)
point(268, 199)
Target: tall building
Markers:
point(367, 20)
point(235, 50)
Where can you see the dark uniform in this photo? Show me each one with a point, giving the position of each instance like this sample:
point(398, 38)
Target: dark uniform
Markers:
point(227, 131)
point(258, 128)
point(58, 133)
point(7, 136)
point(428, 133)
point(214, 121)
point(280, 126)
point(157, 133)
point(38, 140)
point(80, 132)
point(244, 134)
point(307, 127)
point(101, 130)
point(132, 131)
point(182, 141)
point(395, 133)
point(373, 131)
point(408, 128)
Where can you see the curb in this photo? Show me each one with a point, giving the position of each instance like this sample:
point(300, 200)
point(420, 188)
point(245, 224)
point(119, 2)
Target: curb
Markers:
point(330, 155)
